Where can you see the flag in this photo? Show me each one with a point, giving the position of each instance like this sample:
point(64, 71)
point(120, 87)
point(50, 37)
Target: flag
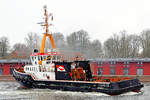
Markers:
point(60, 68)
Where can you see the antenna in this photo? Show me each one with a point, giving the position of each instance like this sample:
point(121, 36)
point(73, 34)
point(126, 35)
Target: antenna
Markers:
point(45, 25)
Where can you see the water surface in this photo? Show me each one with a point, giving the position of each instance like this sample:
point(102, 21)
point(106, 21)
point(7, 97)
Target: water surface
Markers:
point(12, 91)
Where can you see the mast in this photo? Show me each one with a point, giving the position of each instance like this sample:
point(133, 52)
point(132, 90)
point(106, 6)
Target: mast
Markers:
point(46, 25)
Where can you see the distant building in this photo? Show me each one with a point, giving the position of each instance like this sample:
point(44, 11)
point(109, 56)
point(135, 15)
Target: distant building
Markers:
point(122, 66)
point(7, 65)
point(18, 54)
point(139, 67)
point(71, 56)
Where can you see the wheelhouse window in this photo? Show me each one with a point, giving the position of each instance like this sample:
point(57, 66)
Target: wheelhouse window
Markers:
point(41, 58)
point(38, 58)
point(54, 57)
point(44, 57)
point(58, 57)
point(32, 58)
point(49, 58)
point(139, 71)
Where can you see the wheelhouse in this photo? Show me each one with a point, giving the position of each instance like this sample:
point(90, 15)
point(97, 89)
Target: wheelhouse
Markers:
point(48, 58)
point(42, 62)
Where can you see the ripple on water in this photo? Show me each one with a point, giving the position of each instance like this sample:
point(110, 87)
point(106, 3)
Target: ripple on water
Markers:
point(10, 90)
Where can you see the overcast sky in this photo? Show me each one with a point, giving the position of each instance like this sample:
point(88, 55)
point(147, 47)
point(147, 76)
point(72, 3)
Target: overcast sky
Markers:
point(100, 18)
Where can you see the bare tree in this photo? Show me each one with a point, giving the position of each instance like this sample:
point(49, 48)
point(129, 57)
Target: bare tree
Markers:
point(145, 43)
point(19, 50)
point(95, 49)
point(32, 41)
point(122, 46)
point(59, 40)
point(4, 46)
point(134, 46)
point(19, 47)
point(78, 41)
point(112, 46)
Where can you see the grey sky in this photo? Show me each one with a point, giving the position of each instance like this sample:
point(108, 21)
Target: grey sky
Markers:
point(100, 18)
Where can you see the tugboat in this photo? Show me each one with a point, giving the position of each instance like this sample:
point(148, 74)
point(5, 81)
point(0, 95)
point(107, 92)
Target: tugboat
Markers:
point(50, 72)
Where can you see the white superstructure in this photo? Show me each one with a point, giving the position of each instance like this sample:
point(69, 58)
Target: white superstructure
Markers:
point(42, 67)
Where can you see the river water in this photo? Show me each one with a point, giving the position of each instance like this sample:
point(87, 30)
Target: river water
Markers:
point(12, 91)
